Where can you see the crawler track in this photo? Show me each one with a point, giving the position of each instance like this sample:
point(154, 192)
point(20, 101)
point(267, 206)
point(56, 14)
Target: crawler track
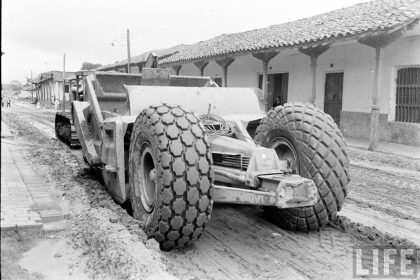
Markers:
point(65, 131)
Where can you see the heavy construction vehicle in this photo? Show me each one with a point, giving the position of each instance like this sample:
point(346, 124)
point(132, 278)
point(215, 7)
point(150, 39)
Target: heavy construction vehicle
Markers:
point(172, 145)
point(64, 127)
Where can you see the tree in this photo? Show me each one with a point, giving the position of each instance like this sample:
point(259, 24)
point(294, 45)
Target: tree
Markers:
point(90, 66)
point(28, 82)
point(14, 87)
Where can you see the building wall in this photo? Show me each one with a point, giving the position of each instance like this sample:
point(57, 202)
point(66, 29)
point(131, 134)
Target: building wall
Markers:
point(357, 61)
point(189, 70)
point(49, 90)
point(395, 59)
point(357, 101)
point(59, 92)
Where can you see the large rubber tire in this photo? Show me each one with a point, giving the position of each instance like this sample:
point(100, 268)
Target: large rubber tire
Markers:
point(171, 141)
point(322, 157)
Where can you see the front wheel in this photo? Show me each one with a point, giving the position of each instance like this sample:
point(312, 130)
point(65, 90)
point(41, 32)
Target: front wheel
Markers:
point(315, 148)
point(171, 177)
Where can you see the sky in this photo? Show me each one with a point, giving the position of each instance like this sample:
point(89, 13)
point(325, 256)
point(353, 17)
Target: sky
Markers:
point(37, 34)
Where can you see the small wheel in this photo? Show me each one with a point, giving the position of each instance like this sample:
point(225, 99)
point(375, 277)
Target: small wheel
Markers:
point(171, 177)
point(315, 148)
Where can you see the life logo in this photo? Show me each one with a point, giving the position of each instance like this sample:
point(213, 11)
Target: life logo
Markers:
point(385, 262)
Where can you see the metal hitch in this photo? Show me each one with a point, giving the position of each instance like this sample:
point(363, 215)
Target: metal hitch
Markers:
point(280, 190)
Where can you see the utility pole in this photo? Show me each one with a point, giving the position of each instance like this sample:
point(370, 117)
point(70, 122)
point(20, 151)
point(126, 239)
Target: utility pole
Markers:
point(64, 84)
point(32, 88)
point(128, 51)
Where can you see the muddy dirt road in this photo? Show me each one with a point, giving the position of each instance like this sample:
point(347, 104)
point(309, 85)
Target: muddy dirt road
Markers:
point(239, 242)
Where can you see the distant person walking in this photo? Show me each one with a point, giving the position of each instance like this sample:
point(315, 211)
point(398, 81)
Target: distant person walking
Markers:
point(2, 102)
point(56, 103)
point(8, 102)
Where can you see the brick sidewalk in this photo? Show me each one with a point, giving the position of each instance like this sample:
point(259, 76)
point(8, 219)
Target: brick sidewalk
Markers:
point(26, 204)
point(5, 131)
point(386, 147)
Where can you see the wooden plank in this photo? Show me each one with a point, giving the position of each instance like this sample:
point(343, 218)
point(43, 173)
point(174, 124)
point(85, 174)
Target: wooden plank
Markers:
point(314, 53)
point(225, 63)
point(201, 65)
point(128, 52)
point(177, 68)
point(265, 57)
point(64, 84)
point(374, 121)
point(381, 39)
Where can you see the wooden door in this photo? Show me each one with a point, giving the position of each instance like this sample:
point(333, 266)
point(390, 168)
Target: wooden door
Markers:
point(281, 84)
point(333, 101)
point(270, 89)
point(278, 85)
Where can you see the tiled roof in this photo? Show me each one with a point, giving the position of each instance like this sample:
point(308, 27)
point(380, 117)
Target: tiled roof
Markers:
point(54, 75)
point(339, 24)
point(37, 79)
point(142, 58)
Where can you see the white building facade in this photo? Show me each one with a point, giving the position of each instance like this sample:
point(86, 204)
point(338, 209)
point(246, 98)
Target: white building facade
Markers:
point(355, 63)
point(49, 87)
point(360, 64)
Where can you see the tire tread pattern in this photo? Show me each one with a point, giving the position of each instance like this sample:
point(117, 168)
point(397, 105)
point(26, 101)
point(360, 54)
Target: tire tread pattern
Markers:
point(184, 168)
point(322, 152)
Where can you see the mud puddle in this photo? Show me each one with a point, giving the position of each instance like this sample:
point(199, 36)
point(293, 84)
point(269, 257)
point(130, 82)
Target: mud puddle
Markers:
point(54, 258)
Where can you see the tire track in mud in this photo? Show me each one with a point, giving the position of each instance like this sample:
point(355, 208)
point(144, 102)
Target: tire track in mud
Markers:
point(399, 192)
point(256, 249)
point(44, 121)
point(385, 201)
point(393, 161)
point(240, 240)
point(108, 240)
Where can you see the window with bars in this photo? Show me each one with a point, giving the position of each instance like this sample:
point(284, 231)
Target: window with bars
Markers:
point(408, 95)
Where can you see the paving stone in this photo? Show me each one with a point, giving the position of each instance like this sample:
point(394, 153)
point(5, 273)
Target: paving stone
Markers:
point(25, 201)
point(51, 215)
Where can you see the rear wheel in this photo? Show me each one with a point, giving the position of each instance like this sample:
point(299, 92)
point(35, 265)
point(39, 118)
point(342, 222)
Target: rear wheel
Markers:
point(315, 148)
point(171, 178)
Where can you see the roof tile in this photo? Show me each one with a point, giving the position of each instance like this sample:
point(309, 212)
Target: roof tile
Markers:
point(54, 75)
point(343, 23)
point(142, 58)
point(346, 22)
